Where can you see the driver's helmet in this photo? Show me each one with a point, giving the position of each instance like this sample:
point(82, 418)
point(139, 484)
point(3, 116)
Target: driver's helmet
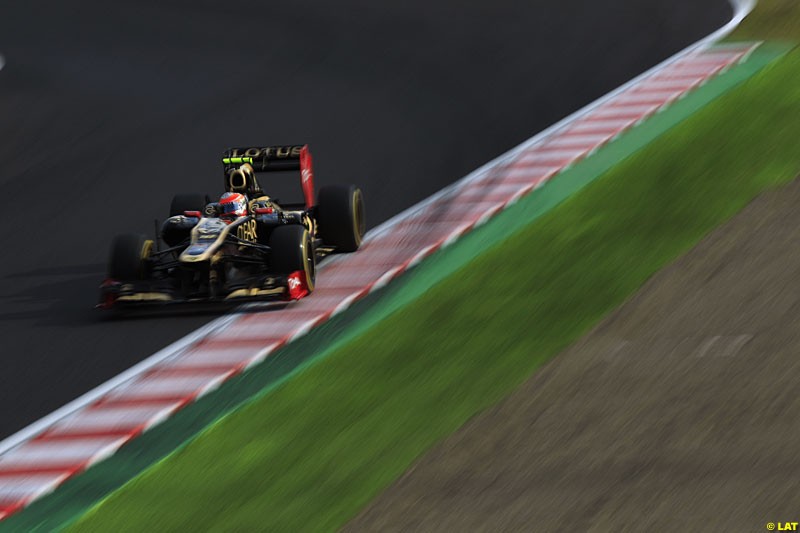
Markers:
point(232, 204)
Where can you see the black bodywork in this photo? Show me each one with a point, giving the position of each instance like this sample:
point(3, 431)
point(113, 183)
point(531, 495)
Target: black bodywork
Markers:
point(235, 261)
point(201, 255)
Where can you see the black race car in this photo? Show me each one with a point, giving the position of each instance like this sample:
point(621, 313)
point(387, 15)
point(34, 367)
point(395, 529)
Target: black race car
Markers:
point(244, 246)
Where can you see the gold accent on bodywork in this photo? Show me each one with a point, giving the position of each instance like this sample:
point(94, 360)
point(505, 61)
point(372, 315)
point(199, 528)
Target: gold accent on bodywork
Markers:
point(147, 249)
point(212, 249)
point(145, 297)
point(257, 202)
point(239, 179)
point(269, 152)
point(248, 231)
point(245, 293)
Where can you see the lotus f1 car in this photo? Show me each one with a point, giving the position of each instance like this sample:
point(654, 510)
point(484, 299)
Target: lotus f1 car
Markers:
point(245, 246)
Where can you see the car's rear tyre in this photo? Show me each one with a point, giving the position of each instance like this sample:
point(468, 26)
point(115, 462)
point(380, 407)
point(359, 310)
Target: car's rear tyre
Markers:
point(340, 214)
point(128, 259)
point(187, 202)
point(291, 251)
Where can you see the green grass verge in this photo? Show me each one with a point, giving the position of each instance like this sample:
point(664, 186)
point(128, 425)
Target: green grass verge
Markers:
point(771, 20)
point(309, 454)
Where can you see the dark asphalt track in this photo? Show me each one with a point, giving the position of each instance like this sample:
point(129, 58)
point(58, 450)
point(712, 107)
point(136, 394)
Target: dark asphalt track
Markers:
point(110, 108)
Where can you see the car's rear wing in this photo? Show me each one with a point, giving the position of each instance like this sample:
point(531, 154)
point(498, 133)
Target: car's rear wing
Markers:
point(239, 163)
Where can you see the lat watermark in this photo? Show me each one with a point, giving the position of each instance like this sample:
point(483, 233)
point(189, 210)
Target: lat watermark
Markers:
point(782, 526)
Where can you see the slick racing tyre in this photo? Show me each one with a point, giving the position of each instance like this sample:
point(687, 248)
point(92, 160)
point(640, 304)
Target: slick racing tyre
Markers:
point(187, 202)
point(291, 250)
point(128, 259)
point(340, 214)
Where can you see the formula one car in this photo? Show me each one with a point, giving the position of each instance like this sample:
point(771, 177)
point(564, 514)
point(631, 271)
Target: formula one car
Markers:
point(244, 246)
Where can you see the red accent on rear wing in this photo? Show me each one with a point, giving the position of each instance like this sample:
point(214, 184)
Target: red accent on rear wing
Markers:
point(307, 176)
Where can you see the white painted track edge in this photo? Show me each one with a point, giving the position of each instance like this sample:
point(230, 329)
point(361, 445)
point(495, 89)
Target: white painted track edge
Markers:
point(173, 350)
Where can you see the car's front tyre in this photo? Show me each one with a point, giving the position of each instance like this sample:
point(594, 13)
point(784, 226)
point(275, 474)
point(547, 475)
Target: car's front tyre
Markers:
point(291, 250)
point(128, 258)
